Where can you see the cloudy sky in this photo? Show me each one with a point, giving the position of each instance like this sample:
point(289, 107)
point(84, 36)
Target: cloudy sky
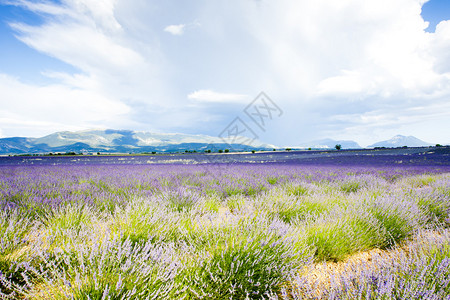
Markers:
point(351, 69)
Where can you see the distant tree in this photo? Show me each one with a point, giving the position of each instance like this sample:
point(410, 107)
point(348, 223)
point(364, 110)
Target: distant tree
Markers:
point(338, 147)
point(288, 149)
point(209, 150)
point(274, 150)
point(153, 152)
point(309, 148)
point(253, 151)
point(438, 145)
point(227, 150)
point(220, 151)
point(98, 153)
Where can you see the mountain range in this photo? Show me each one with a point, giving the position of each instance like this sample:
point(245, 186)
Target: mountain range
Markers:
point(396, 141)
point(330, 144)
point(122, 141)
point(127, 141)
point(400, 141)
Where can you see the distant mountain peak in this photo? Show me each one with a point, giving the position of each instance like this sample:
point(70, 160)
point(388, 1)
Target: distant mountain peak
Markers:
point(400, 141)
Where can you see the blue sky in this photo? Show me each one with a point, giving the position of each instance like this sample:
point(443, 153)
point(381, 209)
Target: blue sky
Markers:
point(354, 69)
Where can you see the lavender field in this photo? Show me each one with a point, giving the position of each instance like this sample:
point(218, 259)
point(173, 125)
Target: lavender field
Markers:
point(256, 227)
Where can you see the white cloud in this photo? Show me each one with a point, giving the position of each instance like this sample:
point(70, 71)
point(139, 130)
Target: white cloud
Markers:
point(81, 10)
point(382, 42)
point(334, 67)
point(211, 96)
point(440, 45)
point(40, 7)
point(175, 29)
point(113, 64)
point(181, 28)
point(341, 57)
point(54, 107)
point(348, 83)
point(72, 42)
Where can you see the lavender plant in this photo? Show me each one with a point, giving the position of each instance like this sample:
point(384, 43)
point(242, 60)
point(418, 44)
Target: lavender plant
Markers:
point(419, 271)
point(109, 269)
point(172, 231)
point(249, 264)
point(13, 231)
point(340, 233)
point(398, 218)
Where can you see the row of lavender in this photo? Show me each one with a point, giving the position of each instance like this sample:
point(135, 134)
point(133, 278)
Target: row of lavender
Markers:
point(218, 231)
point(54, 185)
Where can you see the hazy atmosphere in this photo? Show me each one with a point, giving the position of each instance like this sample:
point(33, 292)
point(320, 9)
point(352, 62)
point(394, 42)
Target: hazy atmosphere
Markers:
point(364, 70)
